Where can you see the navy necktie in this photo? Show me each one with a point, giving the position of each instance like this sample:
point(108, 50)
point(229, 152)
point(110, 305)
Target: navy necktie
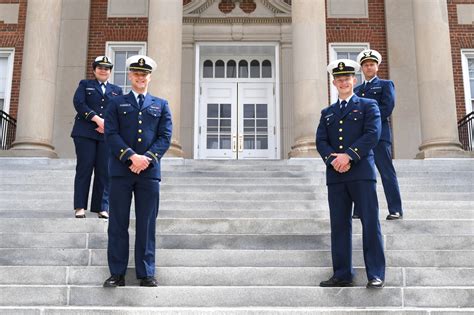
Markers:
point(141, 100)
point(343, 105)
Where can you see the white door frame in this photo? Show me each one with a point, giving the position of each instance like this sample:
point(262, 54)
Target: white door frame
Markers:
point(10, 54)
point(197, 94)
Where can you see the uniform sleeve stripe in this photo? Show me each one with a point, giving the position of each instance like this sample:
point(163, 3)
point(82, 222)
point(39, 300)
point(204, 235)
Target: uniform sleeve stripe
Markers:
point(123, 153)
point(355, 153)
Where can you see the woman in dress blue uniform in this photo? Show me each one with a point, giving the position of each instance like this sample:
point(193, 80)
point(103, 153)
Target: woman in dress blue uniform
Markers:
point(90, 102)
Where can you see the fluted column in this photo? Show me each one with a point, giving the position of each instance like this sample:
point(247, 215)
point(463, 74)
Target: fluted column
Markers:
point(38, 79)
point(435, 80)
point(309, 73)
point(164, 46)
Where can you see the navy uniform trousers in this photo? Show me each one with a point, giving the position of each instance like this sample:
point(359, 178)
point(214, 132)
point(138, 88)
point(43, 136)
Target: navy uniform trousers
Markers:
point(92, 155)
point(364, 196)
point(383, 91)
point(147, 198)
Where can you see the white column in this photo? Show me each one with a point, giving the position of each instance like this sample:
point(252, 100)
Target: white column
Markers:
point(165, 46)
point(38, 79)
point(435, 80)
point(309, 73)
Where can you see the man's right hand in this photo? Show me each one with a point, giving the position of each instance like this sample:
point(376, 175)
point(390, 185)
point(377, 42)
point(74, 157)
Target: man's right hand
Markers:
point(139, 163)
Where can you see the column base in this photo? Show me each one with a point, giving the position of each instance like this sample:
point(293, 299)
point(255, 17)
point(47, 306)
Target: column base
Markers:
point(175, 150)
point(442, 149)
point(303, 148)
point(30, 149)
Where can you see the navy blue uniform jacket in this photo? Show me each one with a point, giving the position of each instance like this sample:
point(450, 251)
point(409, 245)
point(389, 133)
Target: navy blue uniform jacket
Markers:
point(129, 130)
point(383, 91)
point(89, 101)
point(356, 132)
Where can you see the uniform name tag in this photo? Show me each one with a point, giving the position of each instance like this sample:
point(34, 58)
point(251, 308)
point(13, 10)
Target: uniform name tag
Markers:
point(327, 116)
point(125, 105)
point(376, 88)
point(90, 89)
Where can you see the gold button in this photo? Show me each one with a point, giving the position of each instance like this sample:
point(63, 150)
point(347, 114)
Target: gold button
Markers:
point(340, 129)
point(100, 114)
point(125, 113)
point(356, 149)
point(156, 154)
point(103, 100)
point(341, 122)
point(363, 94)
point(139, 121)
point(139, 139)
point(102, 107)
point(340, 147)
point(139, 131)
point(340, 138)
point(121, 150)
point(355, 118)
point(139, 113)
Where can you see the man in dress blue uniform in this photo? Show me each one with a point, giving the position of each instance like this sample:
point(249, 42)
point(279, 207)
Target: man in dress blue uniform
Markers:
point(90, 102)
point(138, 132)
point(383, 91)
point(348, 131)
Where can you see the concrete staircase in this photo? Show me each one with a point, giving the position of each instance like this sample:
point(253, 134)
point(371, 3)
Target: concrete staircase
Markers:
point(237, 237)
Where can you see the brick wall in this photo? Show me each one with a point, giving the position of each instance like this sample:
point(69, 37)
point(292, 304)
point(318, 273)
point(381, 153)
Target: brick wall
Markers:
point(103, 29)
point(370, 30)
point(248, 6)
point(12, 36)
point(462, 37)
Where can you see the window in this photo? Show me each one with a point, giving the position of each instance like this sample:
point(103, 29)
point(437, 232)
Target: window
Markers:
point(345, 51)
point(467, 60)
point(6, 74)
point(118, 52)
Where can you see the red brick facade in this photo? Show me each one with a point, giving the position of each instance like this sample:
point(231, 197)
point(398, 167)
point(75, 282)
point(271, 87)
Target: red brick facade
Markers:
point(103, 29)
point(12, 36)
point(370, 30)
point(462, 37)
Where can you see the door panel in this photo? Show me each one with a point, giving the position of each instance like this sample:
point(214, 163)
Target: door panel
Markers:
point(217, 122)
point(256, 121)
point(237, 121)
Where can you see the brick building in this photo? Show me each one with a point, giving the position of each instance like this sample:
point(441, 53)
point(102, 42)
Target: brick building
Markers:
point(244, 78)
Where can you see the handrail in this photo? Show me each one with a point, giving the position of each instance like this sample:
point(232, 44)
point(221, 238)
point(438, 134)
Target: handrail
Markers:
point(466, 131)
point(7, 130)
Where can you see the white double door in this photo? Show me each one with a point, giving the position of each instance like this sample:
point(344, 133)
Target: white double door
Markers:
point(237, 121)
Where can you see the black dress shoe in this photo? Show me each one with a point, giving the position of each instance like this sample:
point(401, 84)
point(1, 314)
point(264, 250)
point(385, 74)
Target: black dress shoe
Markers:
point(114, 281)
point(375, 283)
point(355, 216)
point(148, 282)
point(395, 216)
point(334, 282)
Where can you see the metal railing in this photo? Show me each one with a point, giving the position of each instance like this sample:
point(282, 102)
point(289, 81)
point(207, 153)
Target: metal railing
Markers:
point(7, 130)
point(466, 132)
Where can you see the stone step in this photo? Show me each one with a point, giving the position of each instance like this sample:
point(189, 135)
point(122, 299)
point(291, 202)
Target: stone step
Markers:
point(243, 241)
point(233, 258)
point(223, 227)
point(224, 296)
point(236, 205)
point(238, 188)
point(223, 196)
point(233, 276)
point(412, 214)
point(93, 310)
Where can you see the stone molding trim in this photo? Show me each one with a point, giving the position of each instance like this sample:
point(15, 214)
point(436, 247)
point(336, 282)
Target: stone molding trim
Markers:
point(9, 13)
point(207, 11)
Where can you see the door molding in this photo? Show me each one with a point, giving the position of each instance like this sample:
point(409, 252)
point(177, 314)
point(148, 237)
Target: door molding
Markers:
point(275, 48)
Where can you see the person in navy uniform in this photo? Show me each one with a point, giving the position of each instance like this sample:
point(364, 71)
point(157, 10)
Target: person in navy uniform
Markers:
point(138, 132)
point(347, 132)
point(383, 91)
point(90, 102)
